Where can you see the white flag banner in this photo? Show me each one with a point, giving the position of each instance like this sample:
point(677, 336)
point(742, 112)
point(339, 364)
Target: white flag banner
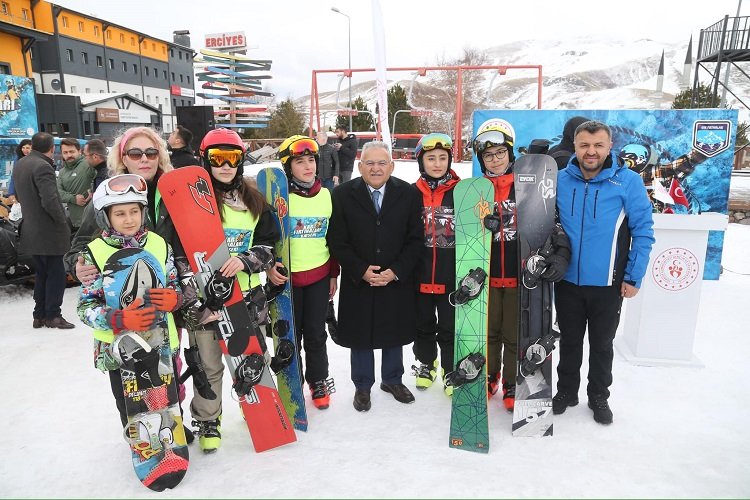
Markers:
point(378, 38)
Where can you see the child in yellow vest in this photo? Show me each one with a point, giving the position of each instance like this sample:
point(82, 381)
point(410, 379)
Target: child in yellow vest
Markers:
point(120, 205)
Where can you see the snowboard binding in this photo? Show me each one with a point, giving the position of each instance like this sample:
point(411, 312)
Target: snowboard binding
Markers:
point(149, 428)
point(469, 369)
point(248, 373)
point(218, 289)
point(471, 286)
point(536, 353)
point(140, 355)
point(536, 264)
point(284, 355)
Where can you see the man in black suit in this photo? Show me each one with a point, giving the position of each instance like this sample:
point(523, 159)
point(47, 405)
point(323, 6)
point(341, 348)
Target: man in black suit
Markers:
point(45, 234)
point(375, 234)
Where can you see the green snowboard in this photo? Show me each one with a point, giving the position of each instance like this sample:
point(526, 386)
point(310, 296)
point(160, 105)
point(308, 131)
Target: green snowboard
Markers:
point(473, 200)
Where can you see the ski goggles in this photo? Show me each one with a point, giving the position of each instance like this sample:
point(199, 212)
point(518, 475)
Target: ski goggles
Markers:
point(121, 184)
point(217, 157)
point(434, 141)
point(300, 147)
point(491, 138)
point(136, 154)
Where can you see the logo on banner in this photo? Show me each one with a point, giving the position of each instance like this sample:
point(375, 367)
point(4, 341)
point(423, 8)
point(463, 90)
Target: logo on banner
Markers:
point(711, 137)
point(675, 269)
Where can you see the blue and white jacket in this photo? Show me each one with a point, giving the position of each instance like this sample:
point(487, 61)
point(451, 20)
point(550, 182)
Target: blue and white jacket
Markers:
point(608, 220)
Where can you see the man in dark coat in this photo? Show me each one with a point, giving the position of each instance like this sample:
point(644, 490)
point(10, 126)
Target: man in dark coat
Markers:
point(45, 234)
point(95, 153)
point(180, 154)
point(375, 233)
point(347, 149)
point(328, 164)
point(565, 149)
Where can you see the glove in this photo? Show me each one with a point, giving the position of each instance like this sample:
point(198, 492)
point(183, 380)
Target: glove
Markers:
point(163, 299)
point(493, 223)
point(557, 266)
point(257, 258)
point(560, 242)
point(132, 318)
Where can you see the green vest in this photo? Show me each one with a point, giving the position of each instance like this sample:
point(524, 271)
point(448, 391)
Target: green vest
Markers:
point(239, 230)
point(308, 225)
point(155, 245)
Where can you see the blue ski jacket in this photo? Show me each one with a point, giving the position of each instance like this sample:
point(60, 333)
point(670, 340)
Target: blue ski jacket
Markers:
point(608, 220)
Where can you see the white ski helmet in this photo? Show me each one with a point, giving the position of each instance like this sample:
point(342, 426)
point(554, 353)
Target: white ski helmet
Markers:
point(125, 188)
point(494, 132)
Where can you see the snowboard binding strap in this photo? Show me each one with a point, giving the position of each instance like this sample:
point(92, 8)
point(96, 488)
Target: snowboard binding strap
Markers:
point(536, 264)
point(248, 373)
point(471, 286)
point(536, 353)
point(469, 369)
point(218, 289)
point(284, 355)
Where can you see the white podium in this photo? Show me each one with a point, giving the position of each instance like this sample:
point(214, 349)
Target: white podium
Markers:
point(659, 327)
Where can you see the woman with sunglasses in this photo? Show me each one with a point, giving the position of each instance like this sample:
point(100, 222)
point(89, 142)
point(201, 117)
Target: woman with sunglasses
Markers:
point(251, 233)
point(120, 212)
point(437, 267)
point(314, 272)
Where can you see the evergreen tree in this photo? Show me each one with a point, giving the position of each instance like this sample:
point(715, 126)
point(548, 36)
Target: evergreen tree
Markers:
point(706, 99)
point(360, 123)
point(406, 124)
point(286, 120)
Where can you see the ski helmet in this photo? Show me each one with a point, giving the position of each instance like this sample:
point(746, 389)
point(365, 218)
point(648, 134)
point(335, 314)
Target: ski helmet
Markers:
point(296, 146)
point(637, 157)
point(429, 142)
point(125, 188)
point(494, 132)
point(220, 146)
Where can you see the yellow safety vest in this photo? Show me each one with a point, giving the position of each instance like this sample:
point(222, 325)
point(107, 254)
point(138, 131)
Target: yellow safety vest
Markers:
point(308, 225)
point(239, 230)
point(156, 246)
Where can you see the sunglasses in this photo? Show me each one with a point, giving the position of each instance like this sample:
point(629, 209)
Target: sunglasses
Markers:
point(136, 154)
point(121, 184)
point(436, 141)
point(301, 147)
point(217, 157)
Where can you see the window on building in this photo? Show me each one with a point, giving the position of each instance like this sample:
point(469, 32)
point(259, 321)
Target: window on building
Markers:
point(148, 98)
point(101, 91)
point(65, 21)
point(165, 74)
point(179, 53)
point(124, 67)
point(87, 128)
point(132, 41)
point(88, 90)
point(109, 35)
point(122, 38)
point(188, 78)
point(99, 61)
point(111, 63)
point(147, 70)
point(153, 46)
point(174, 102)
point(171, 52)
point(69, 55)
point(163, 50)
point(4, 69)
point(25, 14)
point(84, 58)
point(135, 68)
point(73, 89)
point(157, 99)
point(182, 79)
point(80, 26)
point(173, 78)
point(96, 31)
point(5, 9)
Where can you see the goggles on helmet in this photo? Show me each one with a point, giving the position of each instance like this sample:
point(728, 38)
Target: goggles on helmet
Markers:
point(490, 138)
point(434, 141)
point(121, 184)
point(218, 156)
point(300, 147)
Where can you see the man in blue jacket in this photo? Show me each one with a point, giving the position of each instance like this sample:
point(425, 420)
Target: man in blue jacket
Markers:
point(604, 208)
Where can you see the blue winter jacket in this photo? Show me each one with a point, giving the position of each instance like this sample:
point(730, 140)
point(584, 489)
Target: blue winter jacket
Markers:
point(608, 220)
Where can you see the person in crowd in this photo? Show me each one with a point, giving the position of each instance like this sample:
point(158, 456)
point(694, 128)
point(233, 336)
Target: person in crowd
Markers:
point(562, 151)
point(45, 234)
point(120, 206)
point(23, 149)
point(436, 271)
point(376, 235)
point(179, 148)
point(347, 150)
point(251, 233)
point(314, 273)
point(74, 180)
point(604, 208)
point(328, 163)
point(95, 153)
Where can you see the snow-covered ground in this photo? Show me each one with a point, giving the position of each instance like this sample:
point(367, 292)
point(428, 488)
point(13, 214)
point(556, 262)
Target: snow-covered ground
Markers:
point(677, 432)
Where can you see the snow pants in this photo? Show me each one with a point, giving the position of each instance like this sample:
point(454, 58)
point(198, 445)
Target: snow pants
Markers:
point(435, 331)
point(310, 308)
point(502, 333)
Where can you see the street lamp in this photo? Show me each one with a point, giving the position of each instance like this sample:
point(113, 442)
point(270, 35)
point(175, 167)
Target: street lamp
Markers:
point(349, 22)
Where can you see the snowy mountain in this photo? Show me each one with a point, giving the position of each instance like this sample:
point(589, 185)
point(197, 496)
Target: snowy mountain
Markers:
point(578, 73)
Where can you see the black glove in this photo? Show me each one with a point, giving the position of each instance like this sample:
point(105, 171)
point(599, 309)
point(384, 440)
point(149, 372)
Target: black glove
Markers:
point(493, 223)
point(556, 268)
point(560, 242)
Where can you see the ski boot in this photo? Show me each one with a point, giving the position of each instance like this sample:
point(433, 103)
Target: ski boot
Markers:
point(425, 374)
point(447, 388)
point(493, 383)
point(321, 393)
point(509, 396)
point(209, 434)
point(195, 369)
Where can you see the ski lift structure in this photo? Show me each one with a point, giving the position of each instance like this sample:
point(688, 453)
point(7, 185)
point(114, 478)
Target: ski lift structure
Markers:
point(457, 128)
point(342, 111)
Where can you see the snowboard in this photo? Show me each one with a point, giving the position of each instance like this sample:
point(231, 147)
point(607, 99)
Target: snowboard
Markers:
point(189, 197)
point(535, 184)
point(154, 429)
point(473, 200)
point(272, 182)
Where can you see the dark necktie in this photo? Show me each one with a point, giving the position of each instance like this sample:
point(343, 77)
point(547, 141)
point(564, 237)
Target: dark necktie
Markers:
point(376, 201)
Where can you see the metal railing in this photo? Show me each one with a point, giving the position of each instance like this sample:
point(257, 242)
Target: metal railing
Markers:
point(731, 33)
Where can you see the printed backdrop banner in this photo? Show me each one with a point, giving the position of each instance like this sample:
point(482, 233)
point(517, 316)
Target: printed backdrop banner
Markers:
point(684, 156)
point(17, 107)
